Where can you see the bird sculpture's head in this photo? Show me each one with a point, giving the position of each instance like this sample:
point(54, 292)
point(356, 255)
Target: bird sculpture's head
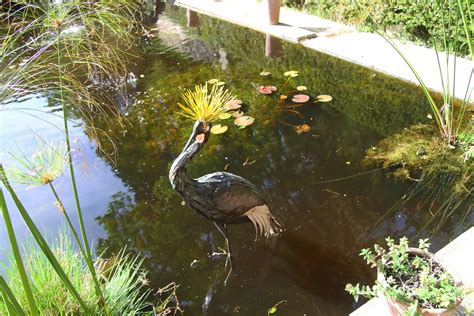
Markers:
point(200, 134)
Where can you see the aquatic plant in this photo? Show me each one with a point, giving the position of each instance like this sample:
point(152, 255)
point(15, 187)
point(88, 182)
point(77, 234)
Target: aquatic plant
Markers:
point(449, 124)
point(66, 49)
point(204, 104)
point(442, 176)
point(42, 167)
point(123, 279)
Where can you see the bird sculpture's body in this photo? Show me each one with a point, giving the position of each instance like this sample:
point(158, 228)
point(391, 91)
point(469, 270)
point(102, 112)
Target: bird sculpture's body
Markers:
point(221, 197)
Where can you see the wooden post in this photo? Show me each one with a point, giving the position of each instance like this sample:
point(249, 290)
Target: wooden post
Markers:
point(274, 11)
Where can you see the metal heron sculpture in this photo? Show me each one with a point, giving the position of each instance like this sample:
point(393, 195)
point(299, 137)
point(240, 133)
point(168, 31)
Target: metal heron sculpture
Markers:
point(221, 197)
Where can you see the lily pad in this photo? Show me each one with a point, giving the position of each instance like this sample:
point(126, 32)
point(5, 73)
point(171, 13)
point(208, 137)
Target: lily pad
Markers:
point(233, 105)
point(291, 73)
point(267, 89)
point(224, 116)
point(244, 121)
point(300, 98)
point(219, 129)
point(301, 88)
point(303, 128)
point(238, 114)
point(323, 98)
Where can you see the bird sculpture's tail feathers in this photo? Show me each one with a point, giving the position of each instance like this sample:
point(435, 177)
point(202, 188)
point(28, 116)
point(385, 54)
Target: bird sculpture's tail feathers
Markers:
point(264, 221)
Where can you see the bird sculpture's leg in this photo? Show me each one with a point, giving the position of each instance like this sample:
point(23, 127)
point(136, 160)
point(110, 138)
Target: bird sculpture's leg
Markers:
point(228, 262)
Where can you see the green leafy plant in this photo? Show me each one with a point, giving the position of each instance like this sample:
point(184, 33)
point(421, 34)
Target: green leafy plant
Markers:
point(123, 280)
point(66, 50)
point(410, 276)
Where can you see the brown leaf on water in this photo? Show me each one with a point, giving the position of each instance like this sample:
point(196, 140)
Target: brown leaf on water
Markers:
point(303, 128)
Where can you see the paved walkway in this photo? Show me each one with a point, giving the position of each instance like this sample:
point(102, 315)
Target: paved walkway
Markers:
point(365, 49)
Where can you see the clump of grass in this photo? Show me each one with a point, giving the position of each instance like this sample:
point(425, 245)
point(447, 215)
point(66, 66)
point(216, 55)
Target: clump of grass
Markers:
point(123, 281)
point(205, 105)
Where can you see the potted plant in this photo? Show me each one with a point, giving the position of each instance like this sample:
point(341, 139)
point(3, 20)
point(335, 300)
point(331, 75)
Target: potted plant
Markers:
point(412, 280)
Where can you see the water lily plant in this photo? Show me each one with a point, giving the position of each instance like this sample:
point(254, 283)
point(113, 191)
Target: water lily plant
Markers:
point(290, 99)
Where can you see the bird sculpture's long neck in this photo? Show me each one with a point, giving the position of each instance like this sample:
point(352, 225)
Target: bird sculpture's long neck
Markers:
point(178, 175)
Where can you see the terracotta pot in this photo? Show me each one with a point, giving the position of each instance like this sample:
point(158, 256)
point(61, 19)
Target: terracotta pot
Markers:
point(398, 308)
point(274, 11)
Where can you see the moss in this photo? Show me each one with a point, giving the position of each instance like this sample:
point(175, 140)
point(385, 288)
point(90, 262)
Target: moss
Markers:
point(416, 150)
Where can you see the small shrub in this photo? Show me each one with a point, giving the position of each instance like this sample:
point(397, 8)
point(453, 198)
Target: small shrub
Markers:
point(408, 277)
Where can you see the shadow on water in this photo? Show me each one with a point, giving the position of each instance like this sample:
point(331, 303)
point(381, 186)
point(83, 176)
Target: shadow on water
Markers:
point(314, 182)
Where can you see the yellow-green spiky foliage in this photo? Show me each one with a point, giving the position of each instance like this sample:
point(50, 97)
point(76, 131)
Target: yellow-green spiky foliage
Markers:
point(42, 167)
point(205, 105)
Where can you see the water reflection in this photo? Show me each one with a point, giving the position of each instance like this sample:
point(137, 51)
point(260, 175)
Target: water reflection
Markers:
point(273, 46)
point(192, 18)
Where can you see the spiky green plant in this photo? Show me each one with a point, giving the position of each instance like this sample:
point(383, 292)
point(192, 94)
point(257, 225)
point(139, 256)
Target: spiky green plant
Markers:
point(64, 49)
point(123, 281)
point(449, 124)
point(205, 104)
point(42, 167)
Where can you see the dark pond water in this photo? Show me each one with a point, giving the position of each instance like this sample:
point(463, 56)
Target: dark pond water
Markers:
point(315, 182)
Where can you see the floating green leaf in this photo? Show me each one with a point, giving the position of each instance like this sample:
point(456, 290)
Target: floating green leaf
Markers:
point(219, 129)
point(291, 73)
point(323, 98)
point(224, 116)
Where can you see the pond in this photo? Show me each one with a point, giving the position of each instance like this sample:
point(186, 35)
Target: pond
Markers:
point(315, 182)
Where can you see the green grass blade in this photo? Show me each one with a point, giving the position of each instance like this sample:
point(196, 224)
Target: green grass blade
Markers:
point(16, 253)
point(41, 241)
point(12, 304)
point(424, 88)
